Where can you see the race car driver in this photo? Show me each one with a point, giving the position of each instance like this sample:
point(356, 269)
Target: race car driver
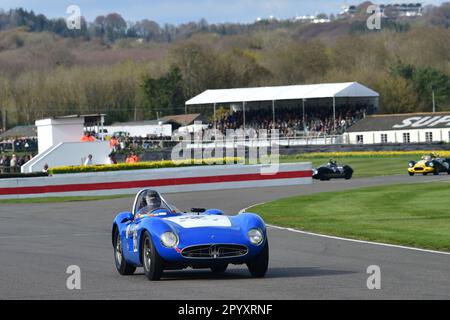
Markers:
point(151, 202)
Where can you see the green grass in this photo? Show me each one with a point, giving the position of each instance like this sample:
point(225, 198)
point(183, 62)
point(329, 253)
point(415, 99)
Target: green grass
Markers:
point(61, 199)
point(412, 215)
point(363, 166)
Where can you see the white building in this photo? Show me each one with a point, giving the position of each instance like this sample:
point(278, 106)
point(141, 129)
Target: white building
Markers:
point(59, 141)
point(392, 9)
point(142, 129)
point(402, 10)
point(403, 128)
point(348, 11)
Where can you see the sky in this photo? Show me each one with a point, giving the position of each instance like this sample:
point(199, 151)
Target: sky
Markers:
point(181, 11)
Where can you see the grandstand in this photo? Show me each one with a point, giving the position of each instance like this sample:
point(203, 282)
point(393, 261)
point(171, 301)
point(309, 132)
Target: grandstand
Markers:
point(319, 109)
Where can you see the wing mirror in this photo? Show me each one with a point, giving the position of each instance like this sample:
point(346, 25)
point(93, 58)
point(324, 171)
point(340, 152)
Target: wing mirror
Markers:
point(198, 210)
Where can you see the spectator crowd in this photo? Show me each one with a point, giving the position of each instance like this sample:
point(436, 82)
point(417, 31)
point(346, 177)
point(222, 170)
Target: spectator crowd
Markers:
point(292, 123)
point(13, 163)
point(19, 145)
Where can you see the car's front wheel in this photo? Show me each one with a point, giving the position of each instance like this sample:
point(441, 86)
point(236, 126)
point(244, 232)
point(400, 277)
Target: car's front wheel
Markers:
point(152, 262)
point(411, 174)
point(258, 266)
point(122, 266)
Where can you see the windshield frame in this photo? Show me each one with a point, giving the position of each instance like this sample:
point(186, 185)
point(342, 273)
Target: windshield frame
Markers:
point(164, 203)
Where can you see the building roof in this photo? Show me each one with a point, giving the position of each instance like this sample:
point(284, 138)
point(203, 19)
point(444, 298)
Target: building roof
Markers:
point(184, 119)
point(411, 121)
point(299, 92)
point(20, 132)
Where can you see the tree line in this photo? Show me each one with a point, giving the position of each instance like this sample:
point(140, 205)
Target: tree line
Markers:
point(113, 26)
point(405, 66)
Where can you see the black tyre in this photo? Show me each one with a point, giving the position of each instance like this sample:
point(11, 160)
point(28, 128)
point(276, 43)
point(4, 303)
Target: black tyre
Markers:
point(219, 268)
point(259, 265)
point(411, 174)
point(152, 262)
point(425, 174)
point(348, 173)
point(122, 266)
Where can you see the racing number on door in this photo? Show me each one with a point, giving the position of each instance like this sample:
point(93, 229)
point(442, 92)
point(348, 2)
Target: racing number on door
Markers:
point(132, 237)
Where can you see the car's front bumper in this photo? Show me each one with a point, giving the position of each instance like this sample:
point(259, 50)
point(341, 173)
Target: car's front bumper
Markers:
point(421, 170)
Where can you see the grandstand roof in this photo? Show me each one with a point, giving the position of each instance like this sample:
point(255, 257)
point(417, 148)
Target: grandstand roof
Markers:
point(184, 119)
point(19, 131)
point(297, 92)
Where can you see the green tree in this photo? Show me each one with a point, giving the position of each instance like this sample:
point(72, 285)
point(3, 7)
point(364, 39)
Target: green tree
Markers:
point(164, 94)
point(5, 100)
point(300, 62)
point(425, 80)
point(428, 79)
point(198, 66)
point(397, 95)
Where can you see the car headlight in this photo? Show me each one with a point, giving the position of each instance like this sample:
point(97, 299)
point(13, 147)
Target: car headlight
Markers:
point(169, 240)
point(315, 172)
point(411, 164)
point(255, 236)
point(431, 164)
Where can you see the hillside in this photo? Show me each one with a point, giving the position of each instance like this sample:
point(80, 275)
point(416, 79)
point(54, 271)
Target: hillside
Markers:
point(45, 71)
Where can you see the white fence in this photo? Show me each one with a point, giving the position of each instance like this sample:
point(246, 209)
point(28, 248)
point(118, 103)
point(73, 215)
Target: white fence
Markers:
point(170, 180)
point(283, 142)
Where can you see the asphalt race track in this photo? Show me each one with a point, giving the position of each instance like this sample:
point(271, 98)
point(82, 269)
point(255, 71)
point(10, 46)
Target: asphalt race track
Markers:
point(39, 241)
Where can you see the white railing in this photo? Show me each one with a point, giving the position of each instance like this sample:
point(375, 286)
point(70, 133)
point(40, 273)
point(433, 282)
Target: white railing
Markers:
point(283, 142)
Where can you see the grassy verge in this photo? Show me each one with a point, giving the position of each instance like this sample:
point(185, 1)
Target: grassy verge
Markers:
point(412, 215)
point(61, 199)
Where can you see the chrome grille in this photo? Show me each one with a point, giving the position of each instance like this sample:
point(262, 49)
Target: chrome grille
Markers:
point(214, 251)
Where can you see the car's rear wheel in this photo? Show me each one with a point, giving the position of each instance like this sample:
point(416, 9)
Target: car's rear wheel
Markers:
point(258, 266)
point(122, 266)
point(425, 174)
point(219, 268)
point(152, 262)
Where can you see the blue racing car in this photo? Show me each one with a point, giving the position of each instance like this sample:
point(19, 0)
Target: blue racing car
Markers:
point(157, 236)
